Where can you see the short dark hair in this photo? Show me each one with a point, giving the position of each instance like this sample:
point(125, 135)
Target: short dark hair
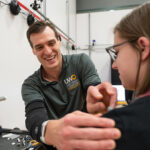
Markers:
point(38, 27)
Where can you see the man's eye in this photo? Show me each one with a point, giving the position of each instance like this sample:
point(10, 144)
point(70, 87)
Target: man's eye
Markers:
point(52, 43)
point(39, 48)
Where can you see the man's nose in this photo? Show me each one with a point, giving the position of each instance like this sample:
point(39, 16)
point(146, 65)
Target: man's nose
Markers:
point(47, 49)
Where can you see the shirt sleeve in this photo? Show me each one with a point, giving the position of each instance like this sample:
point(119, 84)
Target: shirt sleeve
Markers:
point(133, 124)
point(119, 123)
point(35, 110)
point(88, 72)
point(36, 114)
point(30, 92)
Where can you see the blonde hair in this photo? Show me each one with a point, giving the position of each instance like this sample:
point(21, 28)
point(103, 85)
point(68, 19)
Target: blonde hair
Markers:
point(136, 24)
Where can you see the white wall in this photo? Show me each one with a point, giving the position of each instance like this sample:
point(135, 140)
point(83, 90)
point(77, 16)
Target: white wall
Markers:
point(101, 29)
point(17, 61)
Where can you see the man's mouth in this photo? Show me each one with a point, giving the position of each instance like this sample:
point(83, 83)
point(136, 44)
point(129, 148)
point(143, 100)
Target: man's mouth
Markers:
point(50, 58)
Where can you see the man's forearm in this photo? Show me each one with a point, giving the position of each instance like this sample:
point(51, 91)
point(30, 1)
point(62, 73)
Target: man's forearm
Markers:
point(35, 115)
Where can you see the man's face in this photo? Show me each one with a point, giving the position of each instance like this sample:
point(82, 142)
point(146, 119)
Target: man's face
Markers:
point(47, 48)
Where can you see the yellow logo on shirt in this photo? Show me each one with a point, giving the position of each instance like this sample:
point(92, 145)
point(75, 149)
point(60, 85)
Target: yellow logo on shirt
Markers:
point(73, 77)
point(68, 80)
point(72, 82)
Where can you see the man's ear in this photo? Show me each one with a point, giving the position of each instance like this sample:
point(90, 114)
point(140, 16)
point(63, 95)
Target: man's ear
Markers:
point(144, 44)
point(59, 37)
point(59, 42)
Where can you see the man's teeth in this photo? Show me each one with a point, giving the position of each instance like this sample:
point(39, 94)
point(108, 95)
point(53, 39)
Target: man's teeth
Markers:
point(51, 58)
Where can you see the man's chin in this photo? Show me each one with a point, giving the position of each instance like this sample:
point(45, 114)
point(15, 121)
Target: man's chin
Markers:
point(52, 66)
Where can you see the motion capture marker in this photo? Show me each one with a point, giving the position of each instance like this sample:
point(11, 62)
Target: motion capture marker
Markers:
point(109, 108)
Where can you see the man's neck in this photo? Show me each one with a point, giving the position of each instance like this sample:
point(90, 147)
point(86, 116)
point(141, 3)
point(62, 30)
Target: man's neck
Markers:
point(52, 74)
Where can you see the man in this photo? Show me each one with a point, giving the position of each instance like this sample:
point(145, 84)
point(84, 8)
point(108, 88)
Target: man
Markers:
point(56, 90)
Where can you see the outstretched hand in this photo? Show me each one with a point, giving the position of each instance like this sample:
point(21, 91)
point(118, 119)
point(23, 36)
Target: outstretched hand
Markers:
point(100, 97)
point(82, 131)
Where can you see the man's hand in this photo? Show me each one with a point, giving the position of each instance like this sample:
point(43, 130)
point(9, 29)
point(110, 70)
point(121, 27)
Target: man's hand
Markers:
point(82, 131)
point(100, 97)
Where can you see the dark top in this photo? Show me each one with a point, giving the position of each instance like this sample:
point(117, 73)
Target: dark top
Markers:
point(52, 100)
point(134, 123)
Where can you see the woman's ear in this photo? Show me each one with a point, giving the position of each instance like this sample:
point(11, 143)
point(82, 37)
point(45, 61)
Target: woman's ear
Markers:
point(144, 44)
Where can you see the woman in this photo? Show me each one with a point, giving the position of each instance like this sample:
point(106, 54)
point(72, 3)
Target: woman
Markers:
point(131, 56)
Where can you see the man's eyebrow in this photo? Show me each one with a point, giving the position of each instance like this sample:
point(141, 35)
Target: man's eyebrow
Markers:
point(38, 45)
point(52, 40)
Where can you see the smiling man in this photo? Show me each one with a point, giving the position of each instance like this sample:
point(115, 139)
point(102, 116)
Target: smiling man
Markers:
point(54, 92)
point(46, 47)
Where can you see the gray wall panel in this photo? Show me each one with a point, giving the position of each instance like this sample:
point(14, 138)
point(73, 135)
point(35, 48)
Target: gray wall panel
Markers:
point(102, 5)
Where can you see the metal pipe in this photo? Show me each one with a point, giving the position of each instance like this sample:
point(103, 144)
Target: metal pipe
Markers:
point(68, 25)
point(44, 7)
point(90, 47)
point(69, 39)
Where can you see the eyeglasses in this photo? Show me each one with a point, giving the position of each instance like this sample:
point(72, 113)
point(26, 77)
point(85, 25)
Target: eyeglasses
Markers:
point(113, 54)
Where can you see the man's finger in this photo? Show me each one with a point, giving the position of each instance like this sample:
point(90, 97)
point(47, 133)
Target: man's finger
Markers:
point(93, 145)
point(93, 133)
point(111, 91)
point(94, 94)
point(113, 98)
point(96, 107)
point(88, 121)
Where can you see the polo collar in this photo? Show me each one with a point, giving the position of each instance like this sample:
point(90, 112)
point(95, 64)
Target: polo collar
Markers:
point(64, 66)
